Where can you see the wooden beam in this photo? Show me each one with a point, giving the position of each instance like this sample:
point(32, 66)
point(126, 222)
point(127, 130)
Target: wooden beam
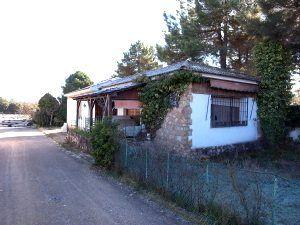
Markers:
point(91, 103)
point(109, 105)
point(77, 111)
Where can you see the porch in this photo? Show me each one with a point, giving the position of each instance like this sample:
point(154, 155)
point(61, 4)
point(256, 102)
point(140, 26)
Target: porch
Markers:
point(123, 107)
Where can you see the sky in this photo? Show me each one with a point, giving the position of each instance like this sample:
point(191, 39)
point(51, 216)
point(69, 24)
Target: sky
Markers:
point(42, 42)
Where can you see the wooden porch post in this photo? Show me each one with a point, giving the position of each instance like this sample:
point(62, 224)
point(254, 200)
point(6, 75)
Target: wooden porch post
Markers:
point(98, 108)
point(91, 103)
point(77, 111)
point(109, 105)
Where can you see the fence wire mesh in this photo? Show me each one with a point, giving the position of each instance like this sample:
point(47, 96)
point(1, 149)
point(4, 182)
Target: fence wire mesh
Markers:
point(251, 195)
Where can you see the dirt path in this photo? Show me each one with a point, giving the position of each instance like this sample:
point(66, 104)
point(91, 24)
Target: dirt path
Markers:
point(39, 184)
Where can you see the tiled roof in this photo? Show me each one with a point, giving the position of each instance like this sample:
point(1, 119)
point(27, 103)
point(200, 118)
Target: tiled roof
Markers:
point(201, 68)
point(115, 84)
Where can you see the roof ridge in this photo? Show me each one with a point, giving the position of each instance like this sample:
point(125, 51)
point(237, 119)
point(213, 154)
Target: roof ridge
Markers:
point(199, 67)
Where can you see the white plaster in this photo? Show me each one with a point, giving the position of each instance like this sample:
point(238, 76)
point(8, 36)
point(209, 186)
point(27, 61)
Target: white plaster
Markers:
point(203, 135)
point(120, 112)
point(295, 134)
point(84, 110)
point(71, 112)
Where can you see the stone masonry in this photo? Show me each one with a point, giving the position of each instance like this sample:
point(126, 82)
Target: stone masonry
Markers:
point(175, 130)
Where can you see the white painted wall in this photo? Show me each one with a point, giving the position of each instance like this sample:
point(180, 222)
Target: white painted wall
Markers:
point(120, 112)
point(71, 112)
point(295, 134)
point(205, 136)
point(84, 109)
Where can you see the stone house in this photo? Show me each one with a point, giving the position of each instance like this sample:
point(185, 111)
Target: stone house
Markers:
point(221, 111)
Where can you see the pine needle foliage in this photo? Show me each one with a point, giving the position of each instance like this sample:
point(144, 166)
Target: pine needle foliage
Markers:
point(137, 59)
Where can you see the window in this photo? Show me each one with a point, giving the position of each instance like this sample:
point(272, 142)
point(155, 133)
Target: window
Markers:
point(229, 112)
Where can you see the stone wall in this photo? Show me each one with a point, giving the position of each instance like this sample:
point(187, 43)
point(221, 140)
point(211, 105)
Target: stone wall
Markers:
point(80, 142)
point(175, 130)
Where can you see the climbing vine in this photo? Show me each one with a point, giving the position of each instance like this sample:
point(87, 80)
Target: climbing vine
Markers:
point(273, 65)
point(158, 96)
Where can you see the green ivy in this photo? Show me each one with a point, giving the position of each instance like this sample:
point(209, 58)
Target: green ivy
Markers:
point(273, 64)
point(157, 96)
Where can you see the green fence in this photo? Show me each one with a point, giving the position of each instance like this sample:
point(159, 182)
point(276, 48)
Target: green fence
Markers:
point(237, 190)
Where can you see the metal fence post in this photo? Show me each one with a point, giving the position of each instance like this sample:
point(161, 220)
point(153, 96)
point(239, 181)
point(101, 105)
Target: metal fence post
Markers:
point(275, 187)
point(207, 174)
point(168, 168)
point(146, 157)
point(126, 152)
point(207, 189)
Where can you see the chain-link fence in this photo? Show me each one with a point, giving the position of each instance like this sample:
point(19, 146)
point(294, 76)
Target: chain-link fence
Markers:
point(238, 190)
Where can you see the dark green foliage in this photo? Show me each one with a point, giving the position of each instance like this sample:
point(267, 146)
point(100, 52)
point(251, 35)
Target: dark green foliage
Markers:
point(157, 97)
point(138, 58)
point(3, 105)
point(293, 116)
point(104, 142)
point(48, 107)
point(280, 22)
point(76, 81)
point(41, 118)
point(82, 133)
point(61, 114)
point(13, 108)
point(205, 28)
point(273, 64)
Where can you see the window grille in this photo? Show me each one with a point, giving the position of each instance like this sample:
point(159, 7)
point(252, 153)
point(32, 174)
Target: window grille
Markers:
point(229, 112)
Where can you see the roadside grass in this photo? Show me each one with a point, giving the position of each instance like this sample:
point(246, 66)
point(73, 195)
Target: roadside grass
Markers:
point(200, 214)
point(210, 214)
point(139, 187)
point(273, 159)
point(156, 196)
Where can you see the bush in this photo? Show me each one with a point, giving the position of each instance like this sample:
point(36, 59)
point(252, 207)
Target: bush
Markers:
point(273, 64)
point(104, 142)
point(41, 118)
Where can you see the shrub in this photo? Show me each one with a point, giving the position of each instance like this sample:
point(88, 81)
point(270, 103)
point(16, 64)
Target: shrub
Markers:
point(273, 64)
point(41, 118)
point(104, 142)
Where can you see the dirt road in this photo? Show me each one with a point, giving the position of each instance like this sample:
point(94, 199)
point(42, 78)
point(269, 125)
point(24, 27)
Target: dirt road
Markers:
point(41, 185)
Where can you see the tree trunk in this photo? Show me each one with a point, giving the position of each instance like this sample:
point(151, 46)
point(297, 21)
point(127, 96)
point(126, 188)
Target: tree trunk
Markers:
point(223, 42)
point(51, 118)
point(223, 57)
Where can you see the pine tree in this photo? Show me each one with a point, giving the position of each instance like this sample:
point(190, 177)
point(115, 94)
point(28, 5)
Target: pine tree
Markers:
point(279, 21)
point(277, 25)
point(137, 59)
point(206, 28)
point(76, 81)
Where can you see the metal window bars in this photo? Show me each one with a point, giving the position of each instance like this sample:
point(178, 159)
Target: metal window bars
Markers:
point(229, 111)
